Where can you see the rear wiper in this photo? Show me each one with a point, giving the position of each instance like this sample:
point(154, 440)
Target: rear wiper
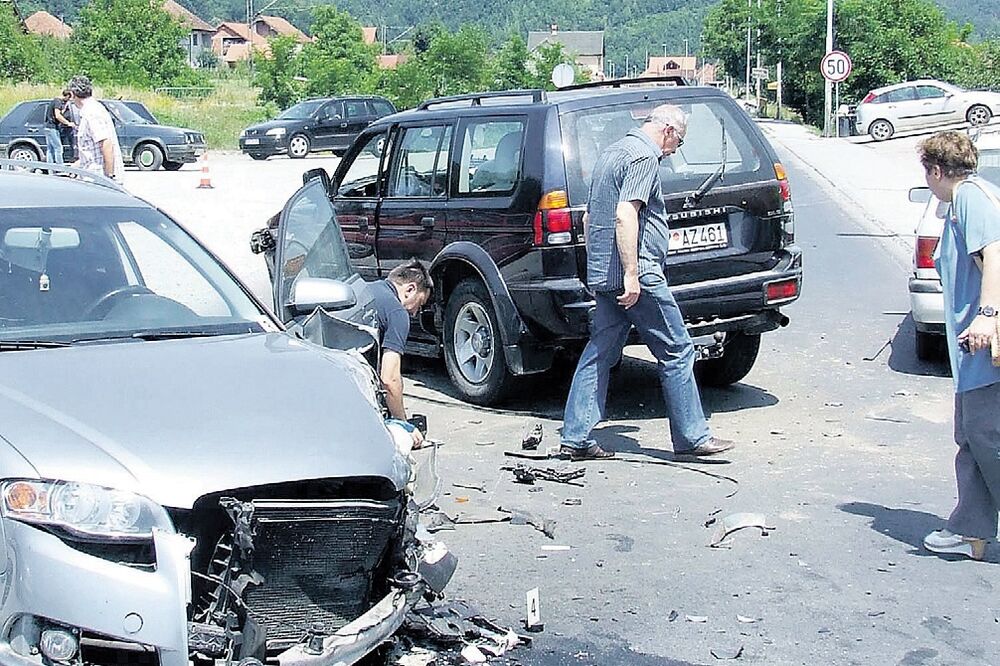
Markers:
point(20, 345)
point(719, 174)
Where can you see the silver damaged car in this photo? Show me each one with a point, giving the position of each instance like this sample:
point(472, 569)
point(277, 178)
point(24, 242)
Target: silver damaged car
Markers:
point(183, 480)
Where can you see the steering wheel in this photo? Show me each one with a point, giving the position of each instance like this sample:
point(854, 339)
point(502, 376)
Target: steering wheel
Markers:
point(103, 304)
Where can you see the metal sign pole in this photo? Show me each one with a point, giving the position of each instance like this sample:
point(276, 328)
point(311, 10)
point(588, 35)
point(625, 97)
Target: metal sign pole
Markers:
point(836, 118)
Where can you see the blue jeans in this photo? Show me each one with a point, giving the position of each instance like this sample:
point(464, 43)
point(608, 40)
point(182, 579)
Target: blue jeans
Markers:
point(53, 146)
point(660, 325)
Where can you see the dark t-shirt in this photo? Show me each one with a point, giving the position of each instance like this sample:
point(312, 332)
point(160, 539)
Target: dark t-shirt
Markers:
point(50, 112)
point(393, 319)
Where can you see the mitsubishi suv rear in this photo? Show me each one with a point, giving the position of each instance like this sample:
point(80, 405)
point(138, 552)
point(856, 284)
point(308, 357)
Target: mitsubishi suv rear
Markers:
point(490, 190)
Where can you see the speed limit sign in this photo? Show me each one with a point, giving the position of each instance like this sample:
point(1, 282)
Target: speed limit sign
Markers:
point(836, 66)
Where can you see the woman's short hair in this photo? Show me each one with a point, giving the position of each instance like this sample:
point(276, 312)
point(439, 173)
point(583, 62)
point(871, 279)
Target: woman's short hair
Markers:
point(952, 151)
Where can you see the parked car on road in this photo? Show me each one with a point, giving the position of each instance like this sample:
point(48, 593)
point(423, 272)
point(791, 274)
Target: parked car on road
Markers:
point(145, 145)
point(926, 296)
point(329, 123)
point(490, 189)
point(181, 479)
point(921, 104)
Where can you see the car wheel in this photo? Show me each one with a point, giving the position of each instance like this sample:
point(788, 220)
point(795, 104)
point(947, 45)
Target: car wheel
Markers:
point(473, 350)
point(298, 146)
point(979, 115)
point(881, 130)
point(148, 157)
point(928, 346)
point(172, 166)
point(738, 357)
point(259, 158)
point(25, 154)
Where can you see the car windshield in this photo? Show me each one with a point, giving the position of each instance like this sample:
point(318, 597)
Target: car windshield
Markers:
point(713, 130)
point(79, 274)
point(301, 111)
point(123, 113)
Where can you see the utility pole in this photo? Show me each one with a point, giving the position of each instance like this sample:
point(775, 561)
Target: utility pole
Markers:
point(827, 87)
point(747, 89)
point(758, 58)
point(780, 56)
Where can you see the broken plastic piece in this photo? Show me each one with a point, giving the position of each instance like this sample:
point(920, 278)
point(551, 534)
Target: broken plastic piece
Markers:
point(738, 521)
point(473, 655)
point(699, 619)
point(727, 652)
point(532, 438)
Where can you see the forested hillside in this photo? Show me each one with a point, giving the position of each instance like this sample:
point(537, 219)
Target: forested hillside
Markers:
point(984, 15)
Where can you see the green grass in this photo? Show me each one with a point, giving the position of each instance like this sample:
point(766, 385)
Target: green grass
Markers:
point(220, 116)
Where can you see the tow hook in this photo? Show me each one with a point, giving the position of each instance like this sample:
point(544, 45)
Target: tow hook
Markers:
point(314, 639)
point(713, 349)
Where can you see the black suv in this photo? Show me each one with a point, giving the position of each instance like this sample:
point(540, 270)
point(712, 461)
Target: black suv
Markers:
point(329, 123)
point(490, 191)
point(144, 144)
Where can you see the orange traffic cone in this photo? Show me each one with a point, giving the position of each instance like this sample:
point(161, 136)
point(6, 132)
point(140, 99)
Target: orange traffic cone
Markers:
point(206, 180)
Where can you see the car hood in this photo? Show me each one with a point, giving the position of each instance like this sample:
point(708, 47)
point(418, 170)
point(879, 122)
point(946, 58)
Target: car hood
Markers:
point(287, 124)
point(175, 420)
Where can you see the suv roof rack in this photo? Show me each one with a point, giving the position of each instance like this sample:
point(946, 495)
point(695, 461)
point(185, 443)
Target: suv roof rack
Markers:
point(618, 83)
point(82, 174)
point(476, 99)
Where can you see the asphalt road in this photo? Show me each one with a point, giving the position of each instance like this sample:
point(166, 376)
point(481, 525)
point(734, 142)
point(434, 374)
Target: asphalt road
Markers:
point(849, 459)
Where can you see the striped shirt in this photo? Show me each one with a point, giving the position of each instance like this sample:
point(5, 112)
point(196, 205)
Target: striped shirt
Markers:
point(96, 126)
point(628, 170)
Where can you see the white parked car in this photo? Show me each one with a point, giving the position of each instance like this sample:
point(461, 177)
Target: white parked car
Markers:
point(926, 300)
point(920, 104)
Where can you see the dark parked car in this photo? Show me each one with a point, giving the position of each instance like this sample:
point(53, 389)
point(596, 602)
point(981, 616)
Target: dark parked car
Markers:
point(490, 190)
point(313, 125)
point(172, 490)
point(144, 144)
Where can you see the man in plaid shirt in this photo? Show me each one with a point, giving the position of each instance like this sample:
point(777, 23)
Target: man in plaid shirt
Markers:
point(97, 142)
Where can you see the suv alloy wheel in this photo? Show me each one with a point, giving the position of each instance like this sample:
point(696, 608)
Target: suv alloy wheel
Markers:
point(473, 350)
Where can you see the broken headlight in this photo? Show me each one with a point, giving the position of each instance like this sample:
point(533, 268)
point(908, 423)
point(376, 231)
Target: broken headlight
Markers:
point(83, 510)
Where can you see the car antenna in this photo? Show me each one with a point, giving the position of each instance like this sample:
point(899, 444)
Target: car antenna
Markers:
point(719, 174)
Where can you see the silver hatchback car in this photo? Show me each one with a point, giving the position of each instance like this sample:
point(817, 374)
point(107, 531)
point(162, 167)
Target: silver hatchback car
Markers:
point(921, 104)
point(181, 480)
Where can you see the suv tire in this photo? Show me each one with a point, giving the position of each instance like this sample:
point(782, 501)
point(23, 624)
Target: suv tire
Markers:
point(25, 153)
point(473, 352)
point(738, 358)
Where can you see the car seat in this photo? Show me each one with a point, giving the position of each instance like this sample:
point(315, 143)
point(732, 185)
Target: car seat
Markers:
point(500, 173)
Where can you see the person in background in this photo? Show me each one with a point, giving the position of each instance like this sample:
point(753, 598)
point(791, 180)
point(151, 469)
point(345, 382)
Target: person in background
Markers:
point(97, 142)
point(404, 291)
point(55, 123)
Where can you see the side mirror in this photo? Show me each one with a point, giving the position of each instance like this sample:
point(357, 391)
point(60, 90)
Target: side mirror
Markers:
point(317, 173)
point(920, 194)
point(311, 293)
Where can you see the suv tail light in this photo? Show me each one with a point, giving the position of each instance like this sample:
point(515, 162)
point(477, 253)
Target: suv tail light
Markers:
point(869, 98)
point(784, 290)
point(925, 251)
point(553, 221)
point(788, 224)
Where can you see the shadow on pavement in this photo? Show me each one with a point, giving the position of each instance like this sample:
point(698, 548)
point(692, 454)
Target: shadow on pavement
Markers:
point(903, 354)
point(905, 525)
point(633, 392)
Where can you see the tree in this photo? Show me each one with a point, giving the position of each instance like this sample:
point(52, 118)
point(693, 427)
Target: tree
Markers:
point(509, 68)
point(131, 42)
point(457, 62)
point(338, 61)
point(20, 56)
point(545, 59)
point(276, 72)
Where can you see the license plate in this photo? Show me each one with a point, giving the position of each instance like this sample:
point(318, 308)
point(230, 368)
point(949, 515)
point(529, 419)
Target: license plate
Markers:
point(701, 237)
point(253, 142)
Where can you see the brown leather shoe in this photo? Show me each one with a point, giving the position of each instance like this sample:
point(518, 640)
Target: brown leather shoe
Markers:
point(711, 447)
point(592, 452)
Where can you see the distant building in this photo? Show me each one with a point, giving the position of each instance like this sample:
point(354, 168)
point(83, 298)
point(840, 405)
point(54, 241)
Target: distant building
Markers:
point(43, 23)
point(369, 35)
point(685, 66)
point(275, 26)
point(199, 37)
point(391, 61)
point(234, 42)
point(585, 46)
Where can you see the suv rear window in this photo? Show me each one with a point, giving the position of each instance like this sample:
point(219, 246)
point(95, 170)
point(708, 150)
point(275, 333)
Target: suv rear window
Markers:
point(586, 133)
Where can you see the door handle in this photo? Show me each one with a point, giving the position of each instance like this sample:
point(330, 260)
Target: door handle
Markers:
point(427, 222)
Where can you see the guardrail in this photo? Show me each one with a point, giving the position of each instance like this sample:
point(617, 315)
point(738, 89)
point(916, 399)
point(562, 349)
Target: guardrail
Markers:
point(185, 91)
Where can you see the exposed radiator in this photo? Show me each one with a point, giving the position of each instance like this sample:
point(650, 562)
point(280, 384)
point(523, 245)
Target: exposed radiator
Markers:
point(317, 560)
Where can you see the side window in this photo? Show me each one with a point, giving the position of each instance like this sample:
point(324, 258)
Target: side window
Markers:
point(380, 108)
point(361, 178)
point(490, 159)
point(420, 165)
point(929, 92)
point(355, 109)
point(332, 111)
point(905, 94)
point(36, 116)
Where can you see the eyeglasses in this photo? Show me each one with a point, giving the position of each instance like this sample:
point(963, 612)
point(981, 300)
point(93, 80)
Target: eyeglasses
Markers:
point(680, 139)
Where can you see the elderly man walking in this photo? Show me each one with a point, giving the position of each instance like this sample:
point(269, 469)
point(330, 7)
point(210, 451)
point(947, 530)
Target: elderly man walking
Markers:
point(96, 140)
point(627, 239)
